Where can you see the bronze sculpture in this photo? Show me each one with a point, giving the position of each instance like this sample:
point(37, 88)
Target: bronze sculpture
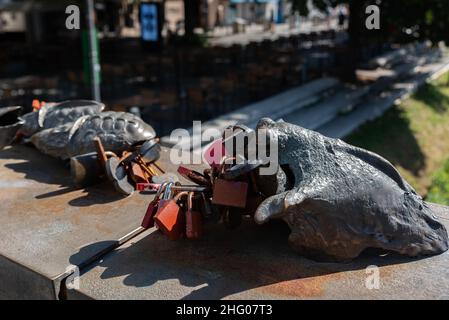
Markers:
point(67, 129)
point(338, 199)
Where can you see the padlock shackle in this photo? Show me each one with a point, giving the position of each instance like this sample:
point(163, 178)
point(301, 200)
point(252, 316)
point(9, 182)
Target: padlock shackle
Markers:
point(180, 195)
point(227, 157)
point(223, 163)
point(167, 191)
point(160, 190)
point(236, 127)
point(190, 200)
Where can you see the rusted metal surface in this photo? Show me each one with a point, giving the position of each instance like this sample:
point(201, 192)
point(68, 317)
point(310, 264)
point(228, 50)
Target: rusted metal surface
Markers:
point(254, 262)
point(47, 224)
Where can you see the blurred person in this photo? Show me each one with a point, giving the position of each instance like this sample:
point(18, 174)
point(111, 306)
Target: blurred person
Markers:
point(341, 19)
point(271, 23)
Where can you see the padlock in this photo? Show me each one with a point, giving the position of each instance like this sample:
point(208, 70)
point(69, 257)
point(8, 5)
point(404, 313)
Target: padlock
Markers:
point(207, 208)
point(85, 169)
point(229, 193)
point(214, 153)
point(194, 227)
point(150, 150)
point(226, 146)
point(241, 169)
point(165, 177)
point(232, 217)
point(137, 173)
point(148, 187)
point(232, 137)
point(148, 219)
point(170, 219)
point(116, 173)
point(167, 195)
point(194, 176)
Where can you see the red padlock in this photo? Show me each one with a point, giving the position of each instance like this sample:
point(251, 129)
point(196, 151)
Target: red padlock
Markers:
point(170, 219)
point(194, 176)
point(194, 227)
point(230, 193)
point(148, 219)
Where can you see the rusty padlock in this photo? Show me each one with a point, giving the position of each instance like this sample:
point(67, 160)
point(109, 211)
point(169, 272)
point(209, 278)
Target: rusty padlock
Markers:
point(194, 176)
point(137, 173)
point(170, 219)
point(148, 219)
point(229, 193)
point(207, 207)
point(194, 227)
point(232, 217)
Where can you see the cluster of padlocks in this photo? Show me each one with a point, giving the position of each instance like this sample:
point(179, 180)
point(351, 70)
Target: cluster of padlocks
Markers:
point(225, 192)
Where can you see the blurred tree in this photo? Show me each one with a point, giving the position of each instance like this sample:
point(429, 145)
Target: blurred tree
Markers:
point(404, 19)
point(400, 20)
point(192, 15)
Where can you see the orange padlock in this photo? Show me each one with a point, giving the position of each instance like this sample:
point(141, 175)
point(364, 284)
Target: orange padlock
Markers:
point(36, 105)
point(137, 173)
point(167, 194)
point(170, 219)
point(194, 228)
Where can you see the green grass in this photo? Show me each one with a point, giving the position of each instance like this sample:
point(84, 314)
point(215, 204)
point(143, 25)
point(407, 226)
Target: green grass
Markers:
point(439, 190)
point(414, 136)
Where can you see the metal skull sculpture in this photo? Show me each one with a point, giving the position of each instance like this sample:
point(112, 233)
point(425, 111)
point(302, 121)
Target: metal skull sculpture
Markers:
point(338, 199)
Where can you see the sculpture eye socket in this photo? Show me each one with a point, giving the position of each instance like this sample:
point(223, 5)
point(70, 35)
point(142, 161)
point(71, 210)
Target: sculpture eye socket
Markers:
point(289, 175)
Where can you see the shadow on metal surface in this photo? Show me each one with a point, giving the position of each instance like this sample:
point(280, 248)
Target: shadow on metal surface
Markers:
point(45, 169)
point(227, 262)
point(36, 166)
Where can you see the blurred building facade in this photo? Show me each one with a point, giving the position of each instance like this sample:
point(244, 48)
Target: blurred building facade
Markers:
point(40, 20)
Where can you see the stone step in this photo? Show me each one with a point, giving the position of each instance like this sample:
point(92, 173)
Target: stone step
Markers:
point(375, 106)
point(317, 115)
point(274, 107)
point(364, 98)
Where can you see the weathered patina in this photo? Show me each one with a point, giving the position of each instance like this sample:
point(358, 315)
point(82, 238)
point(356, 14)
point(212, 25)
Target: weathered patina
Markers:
point(339, 200)
point(67, 129)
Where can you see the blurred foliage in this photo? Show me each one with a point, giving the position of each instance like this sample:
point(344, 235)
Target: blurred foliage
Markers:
point(439, 190)
point(413, 136)
point(400, 19)
point(189, 40)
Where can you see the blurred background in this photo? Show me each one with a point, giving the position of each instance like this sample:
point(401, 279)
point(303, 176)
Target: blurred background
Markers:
point(310, 62)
